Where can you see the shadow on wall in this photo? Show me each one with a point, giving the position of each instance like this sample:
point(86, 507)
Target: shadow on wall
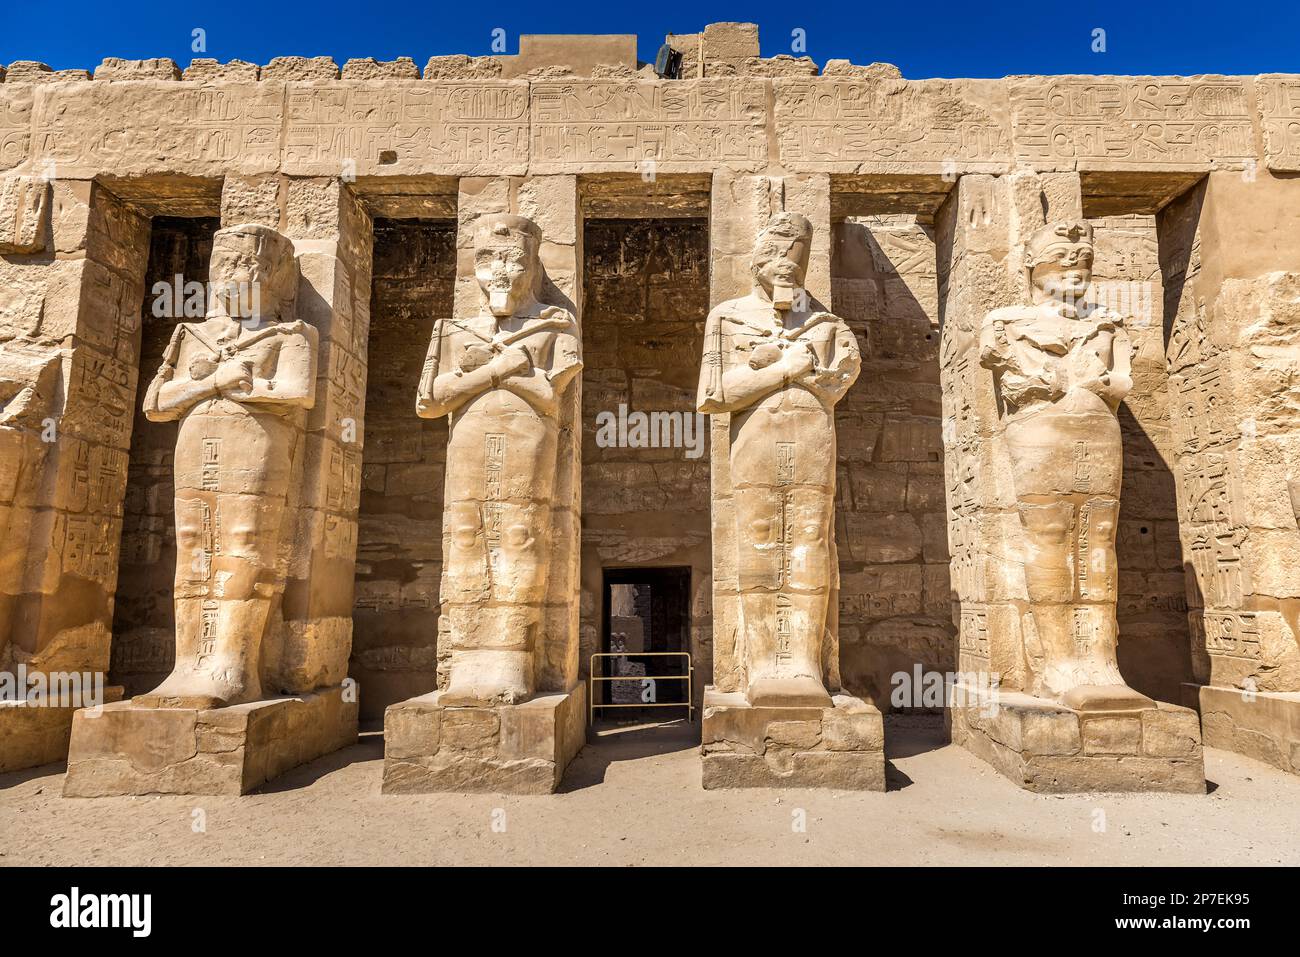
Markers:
point(891, 516)
point(1154, 645)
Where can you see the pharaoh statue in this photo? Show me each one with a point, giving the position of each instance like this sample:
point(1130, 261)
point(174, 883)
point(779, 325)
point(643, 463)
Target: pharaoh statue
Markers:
point(239, 383)
point(779, 366)
point(500, 377)
point(29, 386)
point(1061, 369)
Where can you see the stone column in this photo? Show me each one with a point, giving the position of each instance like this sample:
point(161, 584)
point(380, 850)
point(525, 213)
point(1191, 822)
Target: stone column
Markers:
point(512, 747)
point(305, 708)
point(1042, 744)
point(759, 743)
point(1231, 266)
point(72, 277)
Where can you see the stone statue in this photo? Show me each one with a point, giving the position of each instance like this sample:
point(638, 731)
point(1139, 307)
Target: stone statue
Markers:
point(499, 377)
point(29, 386)
point(779, 367)
point(239, 383)
point(1061, 369)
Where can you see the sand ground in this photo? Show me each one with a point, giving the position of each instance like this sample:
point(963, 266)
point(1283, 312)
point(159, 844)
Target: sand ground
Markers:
point(633, 797)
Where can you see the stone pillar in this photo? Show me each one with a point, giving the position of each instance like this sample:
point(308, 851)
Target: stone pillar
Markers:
point(1231, 266)
point(512, 747)
point(72, 279)
point(306, 709)
point(747, 743)
point(1041, 744)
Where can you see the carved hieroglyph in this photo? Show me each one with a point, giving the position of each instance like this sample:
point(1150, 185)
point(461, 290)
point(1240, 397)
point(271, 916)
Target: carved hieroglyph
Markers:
point(239, 382)
point(500, 377)
point(1062, 366)
point(778, 365)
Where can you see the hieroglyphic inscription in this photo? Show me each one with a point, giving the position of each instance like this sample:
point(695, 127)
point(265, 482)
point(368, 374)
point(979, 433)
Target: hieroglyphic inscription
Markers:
point(85, 128)
point(618, 122)
point(1279, 104)
point(15, 123)
point(399, 126)
point(940, 122)
point(1132, 122)
point(1235, 635)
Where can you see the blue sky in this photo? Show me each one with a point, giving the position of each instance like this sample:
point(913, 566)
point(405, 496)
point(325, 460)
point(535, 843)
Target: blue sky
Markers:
point(980, 38)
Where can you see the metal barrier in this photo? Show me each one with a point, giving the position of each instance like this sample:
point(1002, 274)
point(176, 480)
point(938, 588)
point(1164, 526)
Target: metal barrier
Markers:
point(688, 677)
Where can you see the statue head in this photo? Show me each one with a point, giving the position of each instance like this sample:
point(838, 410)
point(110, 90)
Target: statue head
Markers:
point(781, 257)
point(1058, 261)
point(253, 274)
point(506, 262)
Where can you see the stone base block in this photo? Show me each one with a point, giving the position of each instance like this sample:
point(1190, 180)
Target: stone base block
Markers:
point(743, 746)
point(36, 734)
point(507, 749)
point(136, 750)
point(1047, 747)
point(1264, 725)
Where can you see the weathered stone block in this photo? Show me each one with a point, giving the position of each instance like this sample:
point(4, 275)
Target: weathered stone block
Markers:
point(511, 749)
point(837, 747)
point(129, 749)
point(1044, 746)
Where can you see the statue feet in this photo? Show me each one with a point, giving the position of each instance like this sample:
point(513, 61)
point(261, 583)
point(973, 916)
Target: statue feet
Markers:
point(200, 689)
point(487, 677)
point(802, 691)
point(1106, 698)
point(1090, 685)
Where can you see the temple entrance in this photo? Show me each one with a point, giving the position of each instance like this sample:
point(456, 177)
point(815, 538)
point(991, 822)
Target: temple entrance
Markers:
point(647, 618)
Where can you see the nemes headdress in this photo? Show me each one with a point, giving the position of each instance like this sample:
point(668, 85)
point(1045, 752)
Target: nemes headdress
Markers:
point(282, 267)
point(1046, 244)
point(493, 227)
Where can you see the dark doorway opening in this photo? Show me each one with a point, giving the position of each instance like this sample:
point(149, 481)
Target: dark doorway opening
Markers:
point(646, 610)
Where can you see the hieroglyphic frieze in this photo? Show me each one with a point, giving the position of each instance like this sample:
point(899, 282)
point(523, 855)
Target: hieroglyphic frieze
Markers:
point(405, 127)
point(1132, 123)
point(635, 125)
point(15, 124)
point(1279, 106)
point(942, 126)
point(89, 128)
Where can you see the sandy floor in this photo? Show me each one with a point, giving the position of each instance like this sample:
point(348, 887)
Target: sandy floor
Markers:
point(634, 797)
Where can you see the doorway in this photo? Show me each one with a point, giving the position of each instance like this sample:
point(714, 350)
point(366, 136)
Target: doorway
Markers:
point(645, 610)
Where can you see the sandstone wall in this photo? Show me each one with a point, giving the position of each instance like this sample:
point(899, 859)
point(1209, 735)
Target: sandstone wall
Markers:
point(399, 535)
point(893, 550)
point(646, 296)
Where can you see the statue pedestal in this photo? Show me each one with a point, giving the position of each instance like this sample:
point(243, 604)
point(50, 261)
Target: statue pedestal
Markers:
point(1044, 746)
point(135, 750)
point(32, 734)
point(1264, 726)
point(744, 746)
point(508, 749)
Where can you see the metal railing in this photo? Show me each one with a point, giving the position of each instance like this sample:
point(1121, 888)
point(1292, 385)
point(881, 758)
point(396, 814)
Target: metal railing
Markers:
point(688, 677)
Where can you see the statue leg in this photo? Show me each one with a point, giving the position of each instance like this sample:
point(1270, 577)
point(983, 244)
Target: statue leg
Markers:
point(495, 628)
point(783, 570)
point(232, 479)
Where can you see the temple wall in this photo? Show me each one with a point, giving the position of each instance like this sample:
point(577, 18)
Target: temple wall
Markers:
point(399, 535)
point(1190, 183)
point(890, 514)
point(645, 300)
